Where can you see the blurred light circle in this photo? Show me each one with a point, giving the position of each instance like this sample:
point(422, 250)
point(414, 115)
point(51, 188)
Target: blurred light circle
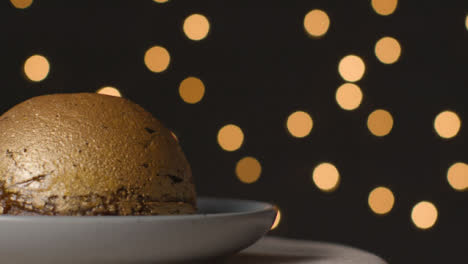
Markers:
point(21, 4)
point(248, 170)
point(316, 23)
point(384, 7)
point(196, 27)
point(230, 137)
point(387, 50)
point(381, 200)
point(191, 90)
point(380, 122)
point(351, 68)
point(447, 124)
point(424, 215)
point(157, 59)
point(109, 90)
point(299, 124)
point(457, 176)
point(348, 96)
point(277, 218)
point(326, 177)
point(36, 68)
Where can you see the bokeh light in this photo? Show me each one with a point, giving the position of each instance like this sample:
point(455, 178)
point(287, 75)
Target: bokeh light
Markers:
point(191, 90)
point(161, 1)
point(387, 50)
point(381, 200)
point(196, 27)
point(277, 218)
point(21, 4)
point(457, 176)
point(447, 124)
point(380, 122)
point(230, 137)
point(174, 136)
point(348, 96)
point(157, 59)
point(109, 90)
point(384, 7)
point(326, 177)
point(424, 215)
point(299, 124)
point(316, 23)
point(36, 68)
point(248, 170)
point(351, 68)
point(466, 22)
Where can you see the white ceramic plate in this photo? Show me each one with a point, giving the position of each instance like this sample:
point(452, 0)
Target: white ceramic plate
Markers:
point(222, 227)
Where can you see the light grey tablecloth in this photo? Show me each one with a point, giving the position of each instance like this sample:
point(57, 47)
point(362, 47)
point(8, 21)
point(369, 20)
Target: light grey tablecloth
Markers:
point(274, 250)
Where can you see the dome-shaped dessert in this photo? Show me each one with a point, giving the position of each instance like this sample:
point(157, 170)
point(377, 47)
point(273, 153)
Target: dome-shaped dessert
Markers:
point(90, 154)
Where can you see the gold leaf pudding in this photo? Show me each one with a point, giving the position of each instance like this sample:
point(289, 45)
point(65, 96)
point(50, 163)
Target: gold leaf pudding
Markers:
point(90, 154)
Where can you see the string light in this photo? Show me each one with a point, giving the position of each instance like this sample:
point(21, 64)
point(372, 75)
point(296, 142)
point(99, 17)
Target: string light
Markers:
point(466, 22)
point(299, 124)
point(191, 90)
point(326, 177)
point(348, 96)
point(230, 137)
point(381, 200)
point(387, 50)
point(316, 23)
point(447, 124)
point(380, 122)
point(384, 7)
point(248, 170)
point(21, 4)
point(196, 27)
point(277, 218)
point(157, 59)
point(424, 215)
point(36, 68)
point(457, 176)
point(351, 68)
point(109, 90)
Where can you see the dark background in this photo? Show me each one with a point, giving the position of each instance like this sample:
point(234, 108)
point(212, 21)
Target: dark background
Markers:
point(258, 66)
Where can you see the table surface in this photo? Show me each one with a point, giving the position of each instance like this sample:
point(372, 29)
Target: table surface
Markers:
point(273, 250)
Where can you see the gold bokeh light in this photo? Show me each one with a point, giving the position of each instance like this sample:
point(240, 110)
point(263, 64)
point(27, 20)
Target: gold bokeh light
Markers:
point(384, 7)
point(277, 218)
point(380, 122)
point(424, 215)
point(466, 22)
point(161, 1)
point(230, 137)
point(248, 170)
point(157, 59)
point(457, 176)
point(316, 23)
point(381, 200)
point(299, 124)
point(36, 68)
point(326, 177)
point(351, 68)
point(387, 50)
point(21, 4)
point(447, 124)
point(109, 90)
point(191, 90)
point(196, 27)
point(348, 96)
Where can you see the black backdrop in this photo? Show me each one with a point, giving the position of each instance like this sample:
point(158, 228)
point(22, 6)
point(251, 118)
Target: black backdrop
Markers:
point(258, 66)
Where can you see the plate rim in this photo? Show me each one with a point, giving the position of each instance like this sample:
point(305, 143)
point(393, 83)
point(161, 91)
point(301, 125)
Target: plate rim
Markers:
point(259, 208)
